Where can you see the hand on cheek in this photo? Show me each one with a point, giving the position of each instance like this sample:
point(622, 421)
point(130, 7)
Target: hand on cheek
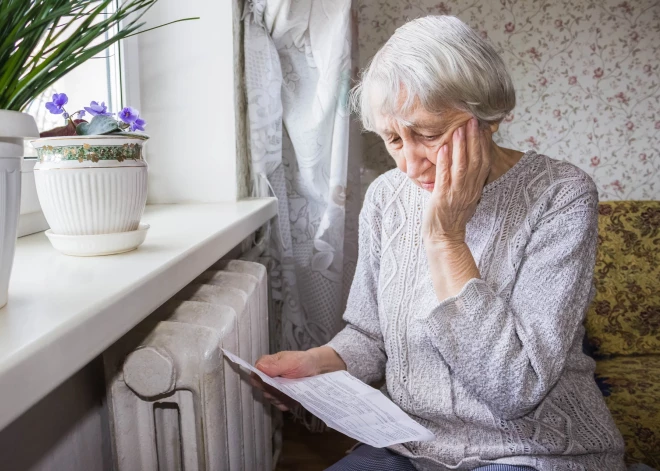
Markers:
point(462, 166)
point(456, 121)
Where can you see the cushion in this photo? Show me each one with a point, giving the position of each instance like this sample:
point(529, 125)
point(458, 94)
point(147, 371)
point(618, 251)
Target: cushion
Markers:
point(631, 386)
point(624, 317)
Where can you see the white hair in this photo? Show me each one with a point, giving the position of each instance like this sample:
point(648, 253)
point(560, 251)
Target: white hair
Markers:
point(439, 63)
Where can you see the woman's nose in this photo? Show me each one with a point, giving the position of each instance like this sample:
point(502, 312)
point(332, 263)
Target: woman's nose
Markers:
point(415, 158)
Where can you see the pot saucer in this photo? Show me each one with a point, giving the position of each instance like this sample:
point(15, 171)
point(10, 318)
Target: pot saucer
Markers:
point(100, 244)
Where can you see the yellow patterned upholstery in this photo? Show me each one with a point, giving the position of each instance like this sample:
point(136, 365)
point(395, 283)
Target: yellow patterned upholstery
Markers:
point(624, 318)
point(623, 323)
point(632, 389)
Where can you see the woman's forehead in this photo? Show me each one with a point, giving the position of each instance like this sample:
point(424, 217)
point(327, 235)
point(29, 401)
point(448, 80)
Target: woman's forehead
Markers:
point(420, 119)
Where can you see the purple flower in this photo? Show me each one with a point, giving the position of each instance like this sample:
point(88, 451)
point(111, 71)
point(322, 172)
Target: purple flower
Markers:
point(81, 113)
point(56, 106)
point(128, 115)
point(97, 110)
point(138, 124)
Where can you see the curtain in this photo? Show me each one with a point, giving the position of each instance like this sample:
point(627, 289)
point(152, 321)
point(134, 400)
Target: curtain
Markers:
point(298, 67)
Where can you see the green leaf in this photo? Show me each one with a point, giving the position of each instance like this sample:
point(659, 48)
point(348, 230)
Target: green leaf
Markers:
point(164, 24)
point(98, 125)
point(43, 40)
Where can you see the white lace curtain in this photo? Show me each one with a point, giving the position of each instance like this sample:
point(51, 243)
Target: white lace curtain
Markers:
point(298, 67)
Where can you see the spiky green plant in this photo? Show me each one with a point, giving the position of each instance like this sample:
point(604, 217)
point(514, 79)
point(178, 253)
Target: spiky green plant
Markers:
point(43, 40)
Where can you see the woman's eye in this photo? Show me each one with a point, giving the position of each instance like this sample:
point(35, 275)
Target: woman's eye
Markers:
point(431, 138)
point(394, 140)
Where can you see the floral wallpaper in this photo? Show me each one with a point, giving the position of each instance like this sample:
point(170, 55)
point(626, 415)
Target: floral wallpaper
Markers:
point(587, 77)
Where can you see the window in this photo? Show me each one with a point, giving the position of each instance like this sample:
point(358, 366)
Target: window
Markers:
point(182, 79)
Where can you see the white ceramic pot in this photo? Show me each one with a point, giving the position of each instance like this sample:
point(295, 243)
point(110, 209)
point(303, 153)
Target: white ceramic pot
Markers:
point(14, 126)
point(90, 185)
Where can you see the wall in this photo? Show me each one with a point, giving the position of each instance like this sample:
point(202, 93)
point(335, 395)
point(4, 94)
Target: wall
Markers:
point(186, 82)
point(587, 78)
point(66, 430)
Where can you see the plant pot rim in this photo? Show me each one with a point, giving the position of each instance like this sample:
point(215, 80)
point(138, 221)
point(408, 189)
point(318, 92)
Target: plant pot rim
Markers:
point(91, 150)
point(119, 137)
point(69, 165)
point(16, 124)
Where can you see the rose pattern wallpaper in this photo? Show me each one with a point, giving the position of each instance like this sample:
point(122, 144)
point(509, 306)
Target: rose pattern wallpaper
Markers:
point(587, 77)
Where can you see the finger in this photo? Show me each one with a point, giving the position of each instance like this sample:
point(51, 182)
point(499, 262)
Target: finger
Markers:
point(283, 403)
point(256, 381)
point(474, 148)
point(442, 170)
point(270, 398)
point(273, 365)
point(459, 164)
point(274, 401)
point(275, 396)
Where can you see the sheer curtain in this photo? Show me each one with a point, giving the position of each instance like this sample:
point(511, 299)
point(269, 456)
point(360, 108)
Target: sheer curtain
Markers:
point(298, 67)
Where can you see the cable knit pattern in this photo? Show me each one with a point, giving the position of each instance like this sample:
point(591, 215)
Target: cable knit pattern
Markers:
point(497, 372)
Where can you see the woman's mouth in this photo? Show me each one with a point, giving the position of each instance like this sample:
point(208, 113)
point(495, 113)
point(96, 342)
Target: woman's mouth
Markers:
point(427, 186)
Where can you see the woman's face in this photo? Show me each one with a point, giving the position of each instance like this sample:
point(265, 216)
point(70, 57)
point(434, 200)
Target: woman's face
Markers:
point(415, 146)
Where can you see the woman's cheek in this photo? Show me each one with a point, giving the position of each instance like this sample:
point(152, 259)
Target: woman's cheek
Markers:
point(432, 153)
point(397, 155)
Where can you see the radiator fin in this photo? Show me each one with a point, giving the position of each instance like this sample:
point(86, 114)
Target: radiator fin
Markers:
point(175, 403)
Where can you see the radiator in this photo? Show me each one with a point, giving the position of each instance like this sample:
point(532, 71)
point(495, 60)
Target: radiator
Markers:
point(174, 402)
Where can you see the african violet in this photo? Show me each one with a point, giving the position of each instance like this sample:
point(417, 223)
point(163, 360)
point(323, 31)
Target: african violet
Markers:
point(103, 122)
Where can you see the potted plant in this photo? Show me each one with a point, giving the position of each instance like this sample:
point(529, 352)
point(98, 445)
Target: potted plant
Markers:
point(91, 179)
point(40, 42)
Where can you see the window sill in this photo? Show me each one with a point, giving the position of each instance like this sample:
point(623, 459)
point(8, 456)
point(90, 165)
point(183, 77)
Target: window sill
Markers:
point(63, 311)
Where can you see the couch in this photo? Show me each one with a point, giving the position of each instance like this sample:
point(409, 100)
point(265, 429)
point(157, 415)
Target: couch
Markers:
point(623, 323)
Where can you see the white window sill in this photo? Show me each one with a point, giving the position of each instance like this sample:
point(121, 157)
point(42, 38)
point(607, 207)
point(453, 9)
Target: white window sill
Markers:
point(63, 311)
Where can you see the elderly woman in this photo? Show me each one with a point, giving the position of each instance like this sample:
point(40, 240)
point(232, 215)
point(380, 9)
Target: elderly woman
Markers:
point(474, 273)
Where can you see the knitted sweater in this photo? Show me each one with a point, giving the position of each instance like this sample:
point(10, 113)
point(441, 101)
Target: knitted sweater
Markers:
point(496, 372)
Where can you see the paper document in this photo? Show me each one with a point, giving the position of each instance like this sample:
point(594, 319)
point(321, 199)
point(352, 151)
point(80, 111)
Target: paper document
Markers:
point(349, 406)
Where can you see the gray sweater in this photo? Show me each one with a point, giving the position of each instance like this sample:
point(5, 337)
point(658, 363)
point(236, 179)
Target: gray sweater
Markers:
point(497, 372)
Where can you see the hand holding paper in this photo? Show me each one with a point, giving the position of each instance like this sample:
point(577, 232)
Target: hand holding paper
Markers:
point(349, 406)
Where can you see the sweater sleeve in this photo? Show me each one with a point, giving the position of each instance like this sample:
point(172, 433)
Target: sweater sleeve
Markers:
point(511, 353)
point(360, 344)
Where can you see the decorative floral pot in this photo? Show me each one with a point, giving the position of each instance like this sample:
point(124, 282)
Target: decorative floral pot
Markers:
point(89, 185)
point(14, 126)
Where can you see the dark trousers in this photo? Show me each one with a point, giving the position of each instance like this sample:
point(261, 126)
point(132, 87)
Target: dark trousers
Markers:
point(367, 458)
